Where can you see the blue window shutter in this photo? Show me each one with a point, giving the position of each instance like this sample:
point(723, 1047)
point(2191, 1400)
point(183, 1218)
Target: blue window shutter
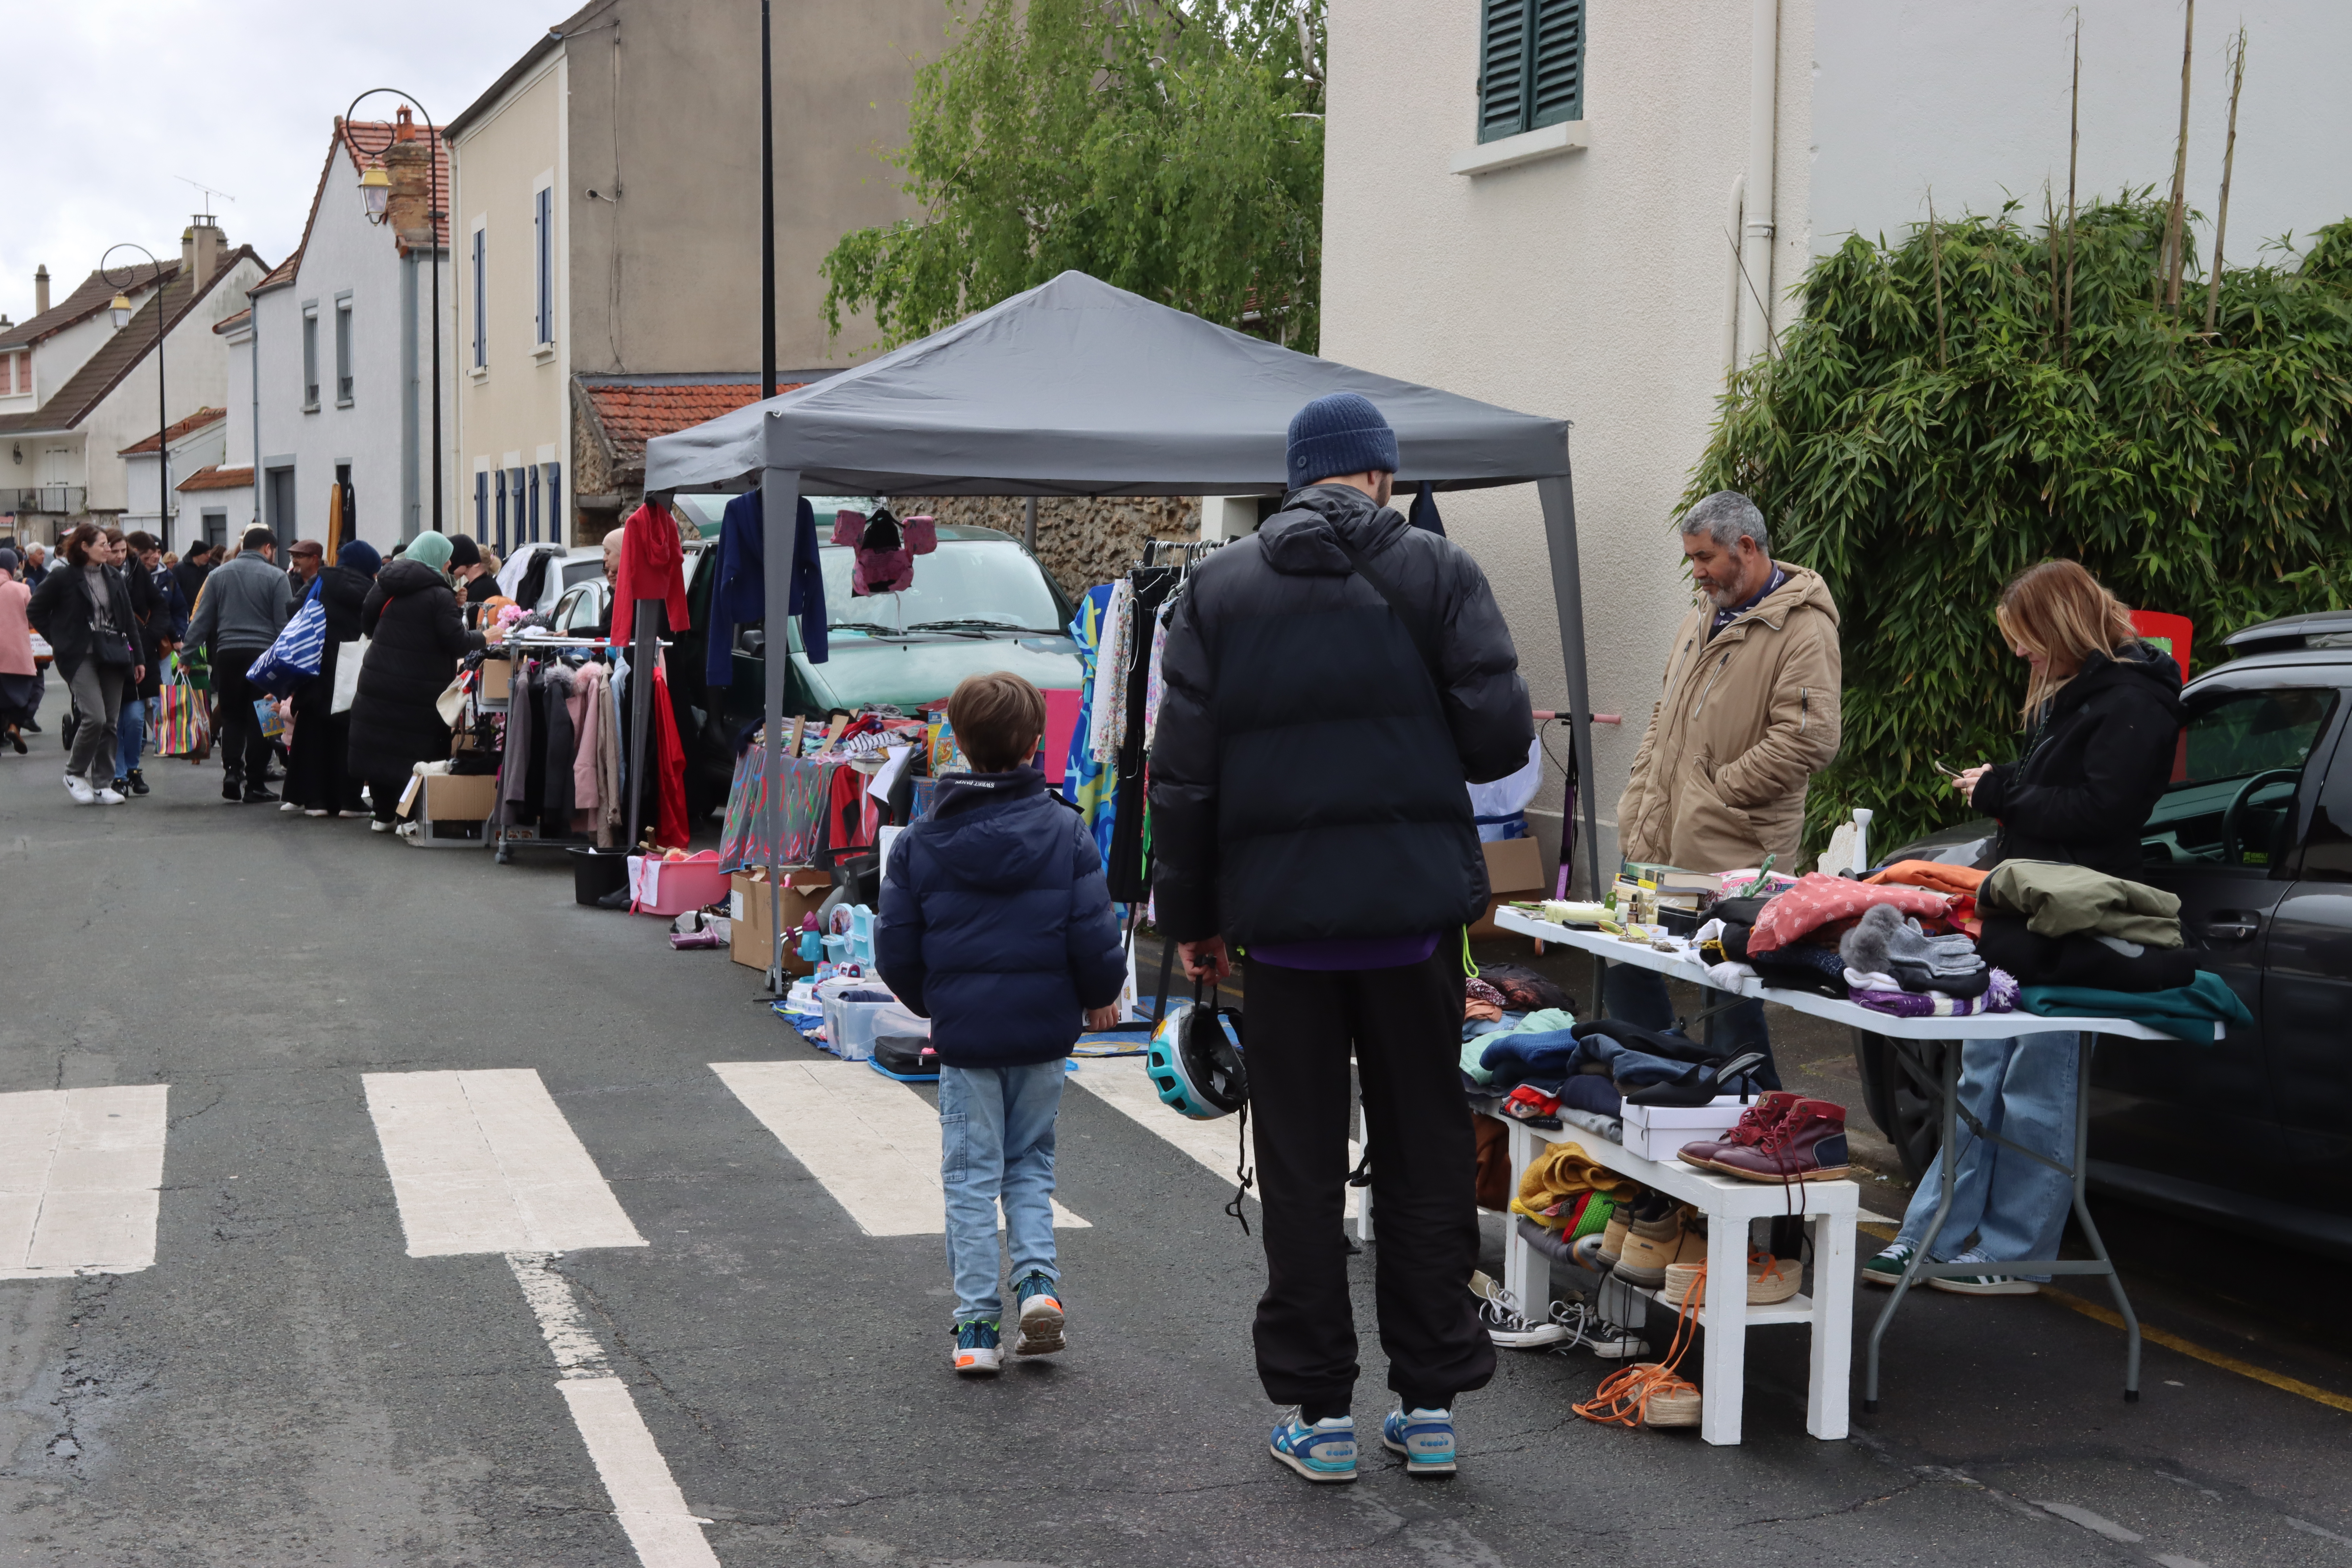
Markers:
point(482, 504)
point(534, 503)
point(555, 529)
point(1556, 71)
point(1503, 68)
point(544, 208)
point(501, 488)
point(481, 298)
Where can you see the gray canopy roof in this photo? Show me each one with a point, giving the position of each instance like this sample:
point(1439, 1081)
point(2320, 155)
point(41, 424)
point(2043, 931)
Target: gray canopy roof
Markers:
point(1079, 388)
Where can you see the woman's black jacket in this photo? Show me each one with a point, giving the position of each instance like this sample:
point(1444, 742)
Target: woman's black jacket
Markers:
point(2095, 768)
point(59, 611)
point(417, 636)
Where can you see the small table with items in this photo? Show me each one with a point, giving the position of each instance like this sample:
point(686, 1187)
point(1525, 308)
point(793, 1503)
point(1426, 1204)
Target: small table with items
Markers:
point(1944, 1032)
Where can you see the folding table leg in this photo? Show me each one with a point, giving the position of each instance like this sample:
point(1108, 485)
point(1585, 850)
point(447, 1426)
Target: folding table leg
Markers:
point(1827, 1392)
point(1725, 1377)
point(2083, 1046)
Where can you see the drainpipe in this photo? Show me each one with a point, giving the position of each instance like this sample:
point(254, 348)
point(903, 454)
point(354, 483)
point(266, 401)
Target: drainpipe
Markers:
point(1755, 230)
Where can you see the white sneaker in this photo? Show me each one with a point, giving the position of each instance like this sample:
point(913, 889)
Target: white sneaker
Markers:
point(288, 806)
point(107, 796)
point(316, 811)
point(83, 794)
point(378, 825)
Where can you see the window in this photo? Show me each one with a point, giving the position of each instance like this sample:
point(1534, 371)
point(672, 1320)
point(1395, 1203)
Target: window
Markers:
point(2231, 798)
point(1530, 66)
point(481, 298)
point(310, 357)
point(554, 482)
point(343, 350)
point(501, 489)
point(215, 529)
point(543, 226)
point(481, 503)
point(282, 521)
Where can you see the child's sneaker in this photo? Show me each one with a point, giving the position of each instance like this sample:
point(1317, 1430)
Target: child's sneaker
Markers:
point(976, 1354)
point(1426, 1438)
point(1040, 1306)
point(1325, 1451)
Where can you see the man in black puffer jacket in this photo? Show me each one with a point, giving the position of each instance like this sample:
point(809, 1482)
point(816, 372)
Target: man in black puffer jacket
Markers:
point(1331, 684)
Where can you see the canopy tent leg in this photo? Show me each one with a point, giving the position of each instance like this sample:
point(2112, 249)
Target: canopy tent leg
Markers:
point(780, 505)
point(1559, 497)
point(1029, 525)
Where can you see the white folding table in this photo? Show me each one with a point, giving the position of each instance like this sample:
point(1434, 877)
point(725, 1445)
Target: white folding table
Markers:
point(1946, 1033)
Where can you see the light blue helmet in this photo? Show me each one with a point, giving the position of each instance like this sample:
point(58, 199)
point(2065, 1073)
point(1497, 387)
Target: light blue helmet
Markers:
point(1195, 1066)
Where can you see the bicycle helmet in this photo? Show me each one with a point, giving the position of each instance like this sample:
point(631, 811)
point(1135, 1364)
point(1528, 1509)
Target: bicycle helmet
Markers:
point(1194, 1065)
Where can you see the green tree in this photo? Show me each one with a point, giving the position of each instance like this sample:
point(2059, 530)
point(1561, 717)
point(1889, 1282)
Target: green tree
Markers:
point(1924, 434)
point(1174, 149)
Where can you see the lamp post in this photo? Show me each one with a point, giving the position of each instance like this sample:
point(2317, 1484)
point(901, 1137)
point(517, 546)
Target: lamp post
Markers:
point(118, 308)
point(375, 189)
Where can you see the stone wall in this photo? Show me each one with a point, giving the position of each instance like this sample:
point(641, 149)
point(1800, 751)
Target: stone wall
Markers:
point(1082, 540)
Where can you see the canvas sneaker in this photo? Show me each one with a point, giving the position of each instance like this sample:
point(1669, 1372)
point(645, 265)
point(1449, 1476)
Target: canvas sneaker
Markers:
point(976, 1351)
point(1426, 1438)
point(1613, 1341)
point(1325, 1451)
point(1040, 1309)
point(79, 789)
point(1512, 1329)
point(1887, 1267)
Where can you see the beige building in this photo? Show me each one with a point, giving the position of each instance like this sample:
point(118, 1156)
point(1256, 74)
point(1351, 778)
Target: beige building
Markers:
point(606, 226)
point(1584, 208)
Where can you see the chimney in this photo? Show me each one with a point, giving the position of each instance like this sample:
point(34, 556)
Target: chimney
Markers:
point(409, 164)
point(202, 247)
point(41, 289)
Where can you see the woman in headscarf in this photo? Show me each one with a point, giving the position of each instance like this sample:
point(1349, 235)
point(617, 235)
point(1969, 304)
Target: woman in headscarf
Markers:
point(416, 635)
point(317, 779)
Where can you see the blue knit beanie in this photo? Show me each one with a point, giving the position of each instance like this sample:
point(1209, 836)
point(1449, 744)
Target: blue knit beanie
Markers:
point(1339, 434)
point(361, 557)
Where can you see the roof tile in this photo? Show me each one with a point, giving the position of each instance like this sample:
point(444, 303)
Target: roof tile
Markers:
point(197, 421)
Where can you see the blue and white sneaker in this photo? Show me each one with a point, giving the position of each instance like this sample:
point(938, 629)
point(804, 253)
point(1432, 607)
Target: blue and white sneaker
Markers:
point(976, 1351)
point(1040, 1312)
point(1325, 1451)
point(1426, 1438)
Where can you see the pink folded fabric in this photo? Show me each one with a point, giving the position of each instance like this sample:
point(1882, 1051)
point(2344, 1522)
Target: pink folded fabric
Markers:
point(1819, 898)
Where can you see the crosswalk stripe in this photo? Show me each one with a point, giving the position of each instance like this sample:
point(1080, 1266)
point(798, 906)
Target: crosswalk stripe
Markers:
point(81, 1176)
point(871, 1142)
point(484, 1161)
point(1120, 1083)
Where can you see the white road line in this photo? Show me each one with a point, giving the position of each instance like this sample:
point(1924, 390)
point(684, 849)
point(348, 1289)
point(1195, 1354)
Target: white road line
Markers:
point(871, 1142)
point(80, 1173)
point(484, 1161)
point(1120, 1083)
point(645, 1499)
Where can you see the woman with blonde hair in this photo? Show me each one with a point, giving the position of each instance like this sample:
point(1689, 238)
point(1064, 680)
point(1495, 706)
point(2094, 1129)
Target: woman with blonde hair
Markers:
point(2102, 719)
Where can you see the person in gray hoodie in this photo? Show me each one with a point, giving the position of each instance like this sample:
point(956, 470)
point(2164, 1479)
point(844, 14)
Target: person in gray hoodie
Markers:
point(242, 608)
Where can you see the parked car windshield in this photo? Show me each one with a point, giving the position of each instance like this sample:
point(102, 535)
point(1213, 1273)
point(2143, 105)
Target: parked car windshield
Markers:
point(964, 581)
point(2246, 745)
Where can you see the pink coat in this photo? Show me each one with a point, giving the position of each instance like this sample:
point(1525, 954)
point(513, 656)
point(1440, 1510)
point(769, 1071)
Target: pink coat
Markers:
point(15, 631)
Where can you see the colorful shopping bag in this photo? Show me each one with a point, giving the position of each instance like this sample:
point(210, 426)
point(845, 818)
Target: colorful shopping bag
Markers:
point(181, 728)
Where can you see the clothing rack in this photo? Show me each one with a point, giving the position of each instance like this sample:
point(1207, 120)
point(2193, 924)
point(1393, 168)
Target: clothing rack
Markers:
point(524, 654)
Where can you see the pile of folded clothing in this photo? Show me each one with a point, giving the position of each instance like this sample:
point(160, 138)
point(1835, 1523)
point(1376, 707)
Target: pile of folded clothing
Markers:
point(1551, 1067)
point(2085, 944)
point(1894, 966)
point(1790, 941)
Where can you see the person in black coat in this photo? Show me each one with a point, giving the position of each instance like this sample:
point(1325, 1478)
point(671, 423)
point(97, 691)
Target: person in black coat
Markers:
point(416, 635)
point(1333, 684)
point(84, 609)
point(317, 777)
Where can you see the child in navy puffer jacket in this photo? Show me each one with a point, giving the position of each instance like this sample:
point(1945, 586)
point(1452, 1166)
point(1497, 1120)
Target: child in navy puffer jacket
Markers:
point(997, 926)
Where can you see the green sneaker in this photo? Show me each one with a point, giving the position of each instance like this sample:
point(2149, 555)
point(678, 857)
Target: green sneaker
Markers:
point(1039, 1309)
point(1887, 1267)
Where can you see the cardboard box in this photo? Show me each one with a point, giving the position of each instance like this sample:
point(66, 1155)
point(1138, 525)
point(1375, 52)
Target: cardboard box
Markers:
point(1514, 870)
point(751, 939)
point(498, 680)
point(452, 810)
point(1659, 1132)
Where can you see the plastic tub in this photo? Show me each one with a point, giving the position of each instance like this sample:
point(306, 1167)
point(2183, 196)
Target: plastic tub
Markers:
point(693, 883)
point(852, 1019)
point(597, 873)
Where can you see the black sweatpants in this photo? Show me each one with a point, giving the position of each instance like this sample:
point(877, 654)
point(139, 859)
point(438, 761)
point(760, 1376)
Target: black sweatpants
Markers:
point(244, 749)
point(1405, 1025)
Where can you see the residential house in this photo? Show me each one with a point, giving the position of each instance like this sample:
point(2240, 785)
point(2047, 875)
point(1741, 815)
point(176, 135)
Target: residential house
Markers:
point(68, 447)
point(36, 359)
point(607, 228)
point(195, 443)
point(1595, 209)
point(338, 351)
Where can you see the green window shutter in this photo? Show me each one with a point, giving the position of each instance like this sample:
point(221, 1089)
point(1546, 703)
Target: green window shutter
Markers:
point(1556, 68)
point(1503, 68)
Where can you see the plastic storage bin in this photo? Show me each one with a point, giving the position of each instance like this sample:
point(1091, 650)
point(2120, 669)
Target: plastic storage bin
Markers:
point(853, 1018)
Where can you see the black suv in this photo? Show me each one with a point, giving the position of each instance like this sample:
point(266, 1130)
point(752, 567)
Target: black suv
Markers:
point(2255, 834)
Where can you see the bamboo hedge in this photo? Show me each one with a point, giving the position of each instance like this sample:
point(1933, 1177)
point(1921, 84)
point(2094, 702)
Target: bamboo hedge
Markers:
point(1944, 415)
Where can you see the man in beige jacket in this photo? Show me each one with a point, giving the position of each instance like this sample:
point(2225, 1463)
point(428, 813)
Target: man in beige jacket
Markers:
point(1749, 714)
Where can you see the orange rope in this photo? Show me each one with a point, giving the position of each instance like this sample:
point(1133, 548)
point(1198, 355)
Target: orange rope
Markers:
point(1624, 1397)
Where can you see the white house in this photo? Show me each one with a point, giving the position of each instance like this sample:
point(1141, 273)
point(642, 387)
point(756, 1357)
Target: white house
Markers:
point(1593, 208)
point(337, 386)
point(80, 389)
point(197, 443)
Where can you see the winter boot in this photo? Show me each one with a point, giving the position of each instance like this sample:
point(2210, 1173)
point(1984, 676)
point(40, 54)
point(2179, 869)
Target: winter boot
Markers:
point(1808, 1144)
point(1766, 1112)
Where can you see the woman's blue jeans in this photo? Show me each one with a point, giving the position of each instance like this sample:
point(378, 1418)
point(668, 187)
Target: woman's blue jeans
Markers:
point(129, 734)
point(996, 1140)
point(2024, 1089)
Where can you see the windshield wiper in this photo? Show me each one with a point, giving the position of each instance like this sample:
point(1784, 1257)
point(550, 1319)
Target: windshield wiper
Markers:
point(979, 623)
point(867, 627)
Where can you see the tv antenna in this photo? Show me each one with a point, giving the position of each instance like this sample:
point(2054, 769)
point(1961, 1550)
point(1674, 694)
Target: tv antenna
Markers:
point(208, 193)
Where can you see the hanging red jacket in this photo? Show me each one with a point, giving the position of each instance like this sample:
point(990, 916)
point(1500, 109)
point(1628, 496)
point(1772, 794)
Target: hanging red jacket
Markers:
point(652, 559)
point(670, 769)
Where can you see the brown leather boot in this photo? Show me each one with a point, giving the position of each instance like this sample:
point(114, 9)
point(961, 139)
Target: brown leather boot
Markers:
point(1766, 1112)
point(1808, 1144)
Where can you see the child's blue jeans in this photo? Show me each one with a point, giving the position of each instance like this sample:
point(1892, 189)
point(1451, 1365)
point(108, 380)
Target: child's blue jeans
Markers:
point(996, 1140)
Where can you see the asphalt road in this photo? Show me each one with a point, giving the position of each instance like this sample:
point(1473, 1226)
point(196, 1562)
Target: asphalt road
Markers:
point(285, 1384)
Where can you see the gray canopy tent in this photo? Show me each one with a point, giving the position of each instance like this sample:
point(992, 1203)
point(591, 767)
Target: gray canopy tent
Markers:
point(1076, 388)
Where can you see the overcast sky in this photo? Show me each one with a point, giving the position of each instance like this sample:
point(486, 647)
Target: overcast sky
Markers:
point(108, 99)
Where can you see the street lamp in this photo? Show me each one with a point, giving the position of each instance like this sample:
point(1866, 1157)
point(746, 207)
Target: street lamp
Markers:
point(118, 308)
point(375, 189)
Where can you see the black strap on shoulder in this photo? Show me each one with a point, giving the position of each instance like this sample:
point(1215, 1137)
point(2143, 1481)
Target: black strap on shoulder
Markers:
point(1406, 612)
